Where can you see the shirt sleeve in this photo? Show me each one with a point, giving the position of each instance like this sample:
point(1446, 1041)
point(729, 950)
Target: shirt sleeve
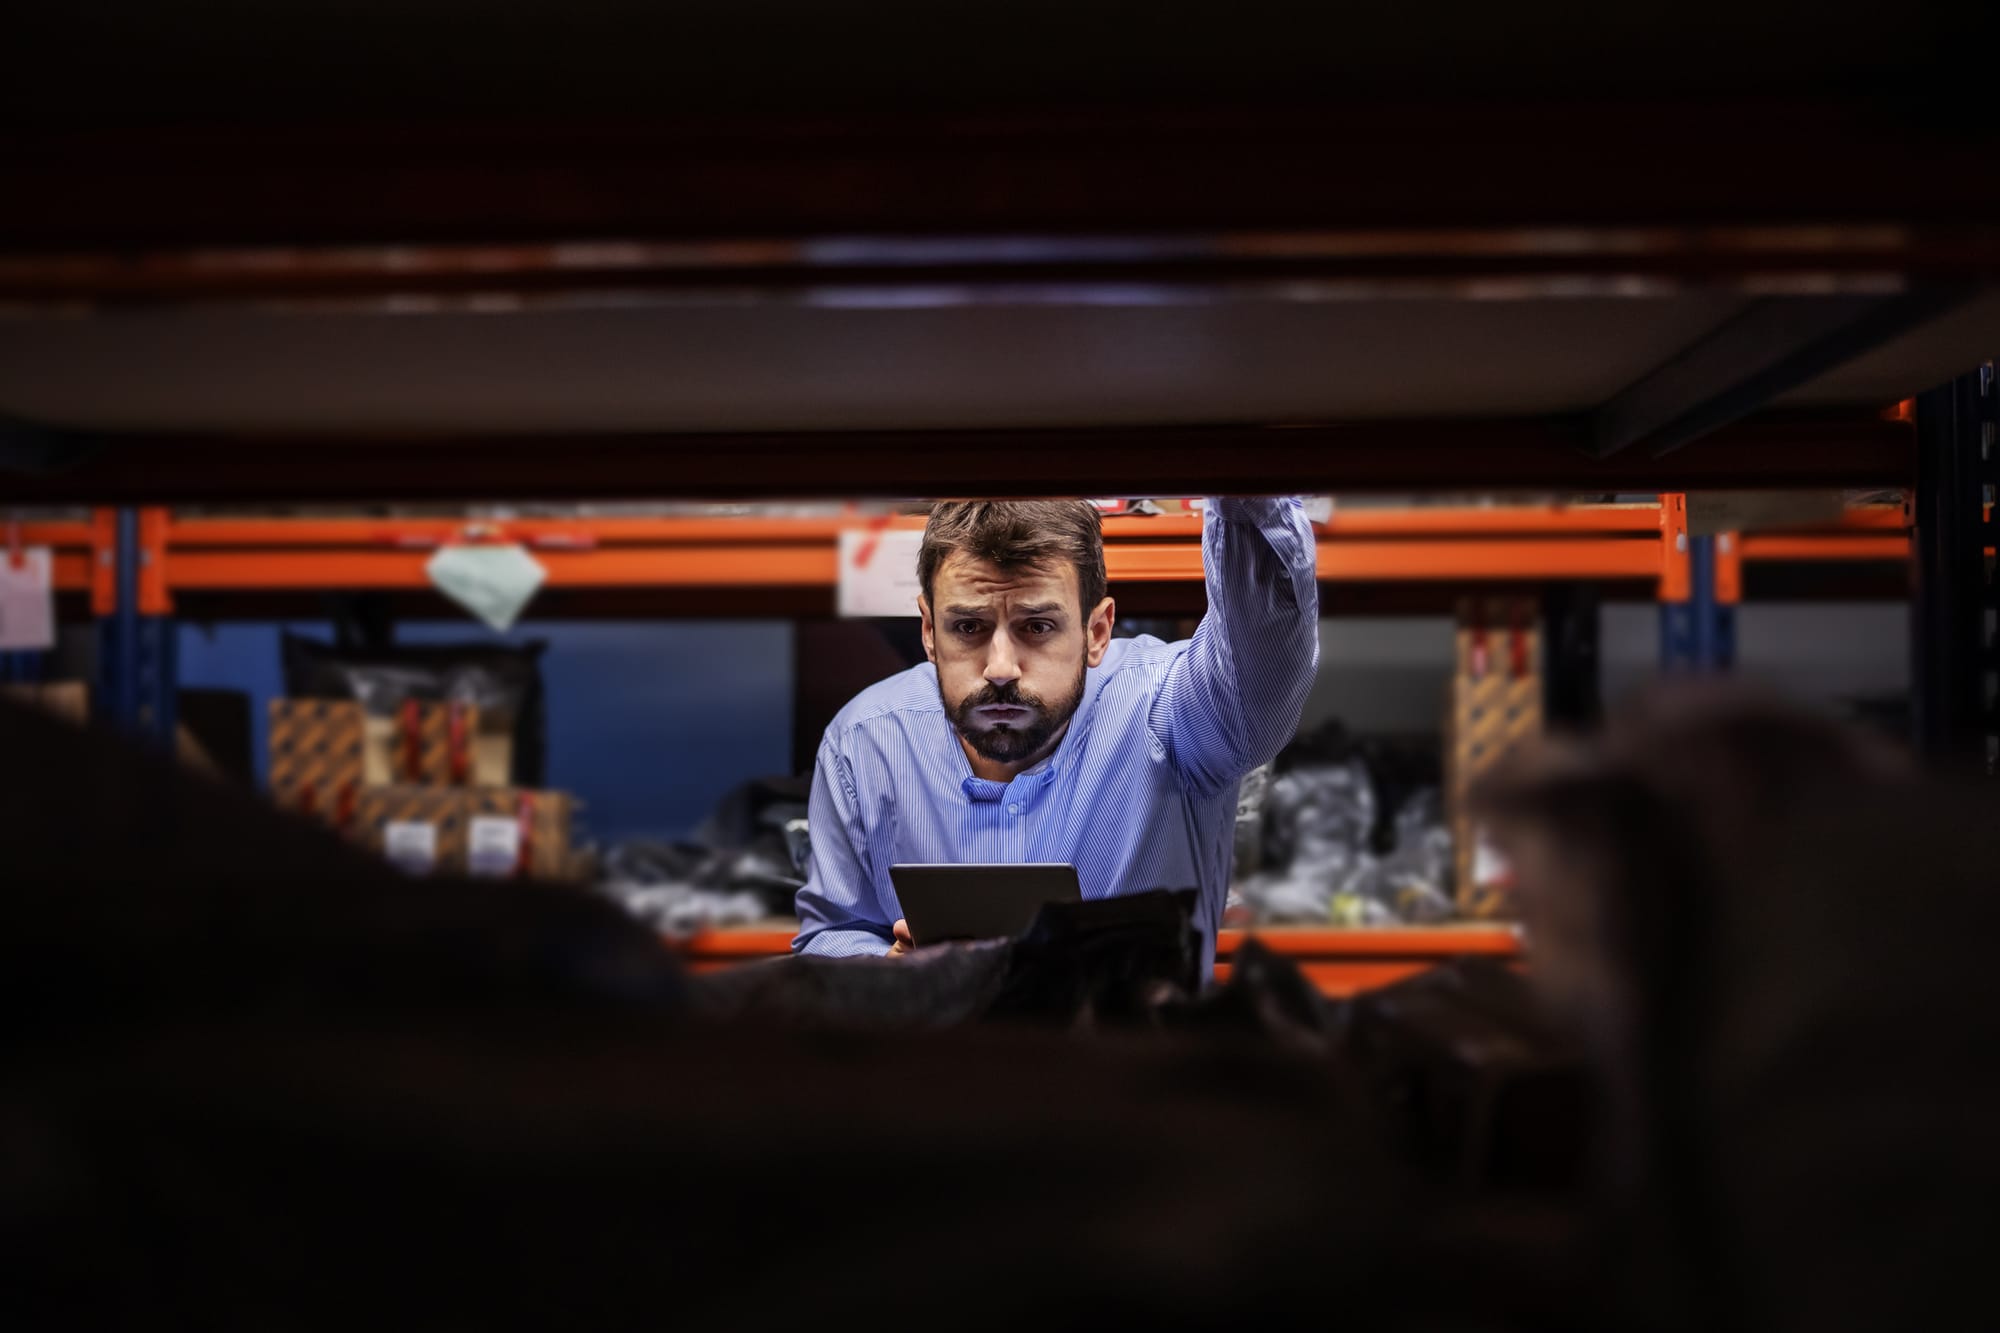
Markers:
point(1231, 699)
point(840, 915)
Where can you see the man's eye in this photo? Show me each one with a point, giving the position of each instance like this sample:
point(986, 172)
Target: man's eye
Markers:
point(967, 627)
point(1041, 627)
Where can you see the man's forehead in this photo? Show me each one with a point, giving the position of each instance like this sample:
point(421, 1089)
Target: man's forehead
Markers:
point(963, 577)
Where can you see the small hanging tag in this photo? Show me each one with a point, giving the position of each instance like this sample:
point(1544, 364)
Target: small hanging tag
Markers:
point(878, 572)
point(494, 583)
point(27, 601)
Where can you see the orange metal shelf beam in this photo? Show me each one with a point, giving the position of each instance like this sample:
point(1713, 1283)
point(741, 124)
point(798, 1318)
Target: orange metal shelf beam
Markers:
point(226, 571)
point(1338, 962)
point(319, 532)
point(81, 557)
point(1615, 558)
point(74, 565)
point(226, 533)
point(787, 566)
point(1876, 532)
point(1341, 980)
point(55, 534)
point(1420, 942)
point(1829, 546)
point(1431, 942)
point(225, 555)
point(1526, 520)
point(718, 531)
point(73, 572)
point(740, 942)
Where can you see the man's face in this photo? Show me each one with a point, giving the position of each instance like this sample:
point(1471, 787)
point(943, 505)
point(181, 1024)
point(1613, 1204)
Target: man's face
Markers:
point(1011, 647)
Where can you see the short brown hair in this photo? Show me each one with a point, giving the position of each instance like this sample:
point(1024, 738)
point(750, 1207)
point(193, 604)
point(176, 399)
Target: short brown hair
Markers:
point(1017, 534)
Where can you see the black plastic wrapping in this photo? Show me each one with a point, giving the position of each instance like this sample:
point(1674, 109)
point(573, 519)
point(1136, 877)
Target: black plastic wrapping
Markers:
point(496, 678)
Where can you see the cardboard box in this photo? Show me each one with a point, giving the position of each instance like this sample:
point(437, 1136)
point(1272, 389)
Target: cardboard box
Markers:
point(1496, 704)
point(516, 833)
point(315, 750)
point(487, 833)
point(419, 830)
point(425, 744)
point(65, 699)
point(211, 738)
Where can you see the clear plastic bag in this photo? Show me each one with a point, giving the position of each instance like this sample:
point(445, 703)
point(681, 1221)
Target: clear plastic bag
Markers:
point(1413, 883)
point(1318, 820)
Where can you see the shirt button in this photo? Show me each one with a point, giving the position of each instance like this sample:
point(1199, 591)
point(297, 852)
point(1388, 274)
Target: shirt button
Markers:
point(1014, 809)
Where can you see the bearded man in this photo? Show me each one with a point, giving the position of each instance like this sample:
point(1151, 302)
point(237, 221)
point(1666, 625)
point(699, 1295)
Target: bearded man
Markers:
point(1033, 736)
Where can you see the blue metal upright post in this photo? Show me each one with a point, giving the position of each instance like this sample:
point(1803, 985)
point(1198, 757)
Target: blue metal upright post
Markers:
point(158, 680)
point(118, 633)
point(1698, 636)
point(1676, 638)
point(1714, 623)
point(137, 672)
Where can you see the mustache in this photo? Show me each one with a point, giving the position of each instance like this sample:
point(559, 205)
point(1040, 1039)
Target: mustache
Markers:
point(1010, 695)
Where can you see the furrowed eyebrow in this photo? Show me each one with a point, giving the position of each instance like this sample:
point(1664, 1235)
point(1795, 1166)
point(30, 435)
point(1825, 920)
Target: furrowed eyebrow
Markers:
point(974, 611)
point(1044, 609)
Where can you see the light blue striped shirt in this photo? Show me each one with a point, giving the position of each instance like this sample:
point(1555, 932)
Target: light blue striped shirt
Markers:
point(1141, 792)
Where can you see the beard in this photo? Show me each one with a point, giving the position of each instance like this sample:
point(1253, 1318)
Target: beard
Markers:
point(1007, 742)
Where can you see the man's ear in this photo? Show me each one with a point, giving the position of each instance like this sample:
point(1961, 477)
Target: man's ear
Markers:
point(1097, 633)
point(930, 638)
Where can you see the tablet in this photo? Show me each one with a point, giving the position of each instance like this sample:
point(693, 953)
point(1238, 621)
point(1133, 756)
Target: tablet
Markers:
point(978, 902)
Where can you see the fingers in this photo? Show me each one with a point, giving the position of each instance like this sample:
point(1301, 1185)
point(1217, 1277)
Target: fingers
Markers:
point(904, 943)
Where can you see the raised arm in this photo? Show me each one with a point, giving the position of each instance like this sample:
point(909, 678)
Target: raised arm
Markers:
point(839, 913)
point(1231, 700)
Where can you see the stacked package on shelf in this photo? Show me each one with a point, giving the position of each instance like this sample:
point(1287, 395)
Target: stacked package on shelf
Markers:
point(316, 758)
point(1496, 703)
point(65, 699)
point(410, 787)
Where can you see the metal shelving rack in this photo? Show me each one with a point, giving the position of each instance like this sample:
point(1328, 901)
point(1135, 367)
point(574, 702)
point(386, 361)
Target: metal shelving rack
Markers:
point(133, 564)
point(1956, 649)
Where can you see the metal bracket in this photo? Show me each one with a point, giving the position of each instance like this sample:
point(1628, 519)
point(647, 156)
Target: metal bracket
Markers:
point(1774, 346)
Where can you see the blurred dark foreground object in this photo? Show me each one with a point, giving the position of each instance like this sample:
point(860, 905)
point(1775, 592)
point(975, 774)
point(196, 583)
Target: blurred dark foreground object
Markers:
point(1774, 939)
point(257, 1079)
point(1472, 1081)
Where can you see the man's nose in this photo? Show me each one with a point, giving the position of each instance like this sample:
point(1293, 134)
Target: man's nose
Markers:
point(1002, 666)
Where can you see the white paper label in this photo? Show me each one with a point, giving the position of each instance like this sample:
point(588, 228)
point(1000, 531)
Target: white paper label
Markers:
point(495, 583)
point(1489, 867)
point(493, 850)
point(878, 572)
point(411, 846)
point(27, 601)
